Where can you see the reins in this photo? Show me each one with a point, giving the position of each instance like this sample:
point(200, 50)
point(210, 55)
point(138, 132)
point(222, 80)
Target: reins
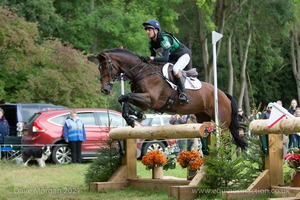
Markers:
point(135, 75)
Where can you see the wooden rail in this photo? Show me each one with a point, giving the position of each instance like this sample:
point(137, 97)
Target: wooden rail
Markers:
point(159, 132)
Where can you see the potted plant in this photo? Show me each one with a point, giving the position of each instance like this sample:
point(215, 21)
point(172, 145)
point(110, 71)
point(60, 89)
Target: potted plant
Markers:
point(292, 158)
point(155, 160)
point(190, 160)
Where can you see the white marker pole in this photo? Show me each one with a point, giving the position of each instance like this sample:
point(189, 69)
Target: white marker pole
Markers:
point(215, 38)
point(122, 91)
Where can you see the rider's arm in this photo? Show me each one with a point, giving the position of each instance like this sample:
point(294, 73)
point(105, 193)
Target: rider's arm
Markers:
point(165, 43)
point(163, 58)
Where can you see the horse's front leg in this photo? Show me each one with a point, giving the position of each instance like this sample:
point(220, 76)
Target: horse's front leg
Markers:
point(136, 99)
point(141, 100)
point(127, 110)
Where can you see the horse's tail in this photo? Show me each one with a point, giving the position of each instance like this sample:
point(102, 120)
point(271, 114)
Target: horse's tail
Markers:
point(234, 125)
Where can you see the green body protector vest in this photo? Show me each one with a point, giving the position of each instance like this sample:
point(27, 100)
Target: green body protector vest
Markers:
point(165, 43)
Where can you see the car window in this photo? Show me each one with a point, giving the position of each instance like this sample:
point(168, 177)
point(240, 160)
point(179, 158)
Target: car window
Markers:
point(87, 118)
point(33, 117)
point(147, 121)
point(28, 111)
point(59, 119)
point(166, 120)
point(156, 122)
point(114, 119)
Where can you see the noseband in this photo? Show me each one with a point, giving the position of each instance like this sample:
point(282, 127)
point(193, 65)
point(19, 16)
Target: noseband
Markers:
point(112, 76)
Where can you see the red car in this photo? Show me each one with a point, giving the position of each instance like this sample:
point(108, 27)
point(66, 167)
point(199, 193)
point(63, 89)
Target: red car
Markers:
point(45, 128)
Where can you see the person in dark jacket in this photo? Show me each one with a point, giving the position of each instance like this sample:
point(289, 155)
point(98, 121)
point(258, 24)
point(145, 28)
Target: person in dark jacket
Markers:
point(243, 121)
point(179, 119)
point(4, 127)
point(293, 138)
point(164, 47)
point(74, 134)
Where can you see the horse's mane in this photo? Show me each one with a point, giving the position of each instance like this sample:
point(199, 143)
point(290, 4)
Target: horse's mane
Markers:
point(117, 50)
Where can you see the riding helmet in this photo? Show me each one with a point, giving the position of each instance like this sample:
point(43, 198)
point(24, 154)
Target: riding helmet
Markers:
point(152, 23)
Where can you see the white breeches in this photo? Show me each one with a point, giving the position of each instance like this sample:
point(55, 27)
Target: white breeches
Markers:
point(181, 63)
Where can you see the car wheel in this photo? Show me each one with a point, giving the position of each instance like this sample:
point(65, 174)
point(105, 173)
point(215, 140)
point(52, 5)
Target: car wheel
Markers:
point(61, 154)
point(153, 145)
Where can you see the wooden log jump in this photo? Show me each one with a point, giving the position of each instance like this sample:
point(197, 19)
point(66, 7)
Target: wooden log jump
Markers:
point(158, 132)
point(272, 177)
point(286, 126)
point(127, 173)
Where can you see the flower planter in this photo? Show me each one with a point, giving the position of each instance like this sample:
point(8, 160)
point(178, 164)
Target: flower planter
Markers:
point(157, 173)
point(191, 173)
point(295, 179)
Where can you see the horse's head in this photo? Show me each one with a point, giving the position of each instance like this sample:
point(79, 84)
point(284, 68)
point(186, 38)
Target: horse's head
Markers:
point(116, 61)
point(109, 71)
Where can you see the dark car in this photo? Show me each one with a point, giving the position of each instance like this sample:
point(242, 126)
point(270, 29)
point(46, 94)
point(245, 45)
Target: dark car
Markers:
point(17, 114)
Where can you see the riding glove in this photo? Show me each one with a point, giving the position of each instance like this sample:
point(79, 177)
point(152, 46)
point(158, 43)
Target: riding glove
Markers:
point(145, 58)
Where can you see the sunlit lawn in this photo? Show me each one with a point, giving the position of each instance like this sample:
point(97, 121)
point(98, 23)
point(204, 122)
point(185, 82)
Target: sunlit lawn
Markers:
point(67, 182)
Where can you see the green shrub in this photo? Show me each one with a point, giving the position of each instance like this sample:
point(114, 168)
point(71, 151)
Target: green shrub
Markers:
point(225, 170)
point(107, 162)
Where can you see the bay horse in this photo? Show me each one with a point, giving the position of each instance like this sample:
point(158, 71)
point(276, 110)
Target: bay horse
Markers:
point(149, 89)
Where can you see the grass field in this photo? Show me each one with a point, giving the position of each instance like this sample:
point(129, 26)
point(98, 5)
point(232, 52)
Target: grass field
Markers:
point(66, 182)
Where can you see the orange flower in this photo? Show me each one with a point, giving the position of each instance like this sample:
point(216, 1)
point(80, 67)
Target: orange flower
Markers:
point(154, 158)
point(190, 159)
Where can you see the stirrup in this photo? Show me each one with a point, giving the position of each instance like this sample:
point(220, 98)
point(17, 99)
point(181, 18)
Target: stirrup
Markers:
point(183, 98)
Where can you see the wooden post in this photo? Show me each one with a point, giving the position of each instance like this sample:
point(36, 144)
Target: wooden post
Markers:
point(130, 161)
point(274, 160)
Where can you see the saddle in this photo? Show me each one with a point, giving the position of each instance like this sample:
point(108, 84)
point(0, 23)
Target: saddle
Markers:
point(190, 75)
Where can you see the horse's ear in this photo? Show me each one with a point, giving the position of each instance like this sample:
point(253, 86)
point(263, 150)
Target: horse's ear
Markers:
point(93, 59)
point(100, 56)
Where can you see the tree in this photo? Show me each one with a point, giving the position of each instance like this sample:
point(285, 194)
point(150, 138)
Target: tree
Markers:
point(295, 49)
point(37, 11)
point(52, 72)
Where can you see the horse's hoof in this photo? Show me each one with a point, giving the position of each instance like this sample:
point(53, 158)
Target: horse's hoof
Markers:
point(141, 115)
point(130, 122)
point(122, 98)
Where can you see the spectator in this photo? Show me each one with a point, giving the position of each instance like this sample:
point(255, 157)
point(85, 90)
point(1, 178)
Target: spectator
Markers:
point(242, 120)
point(179, 119)
point(4, 127)
point(297, 114)
point(74, 134)
point(293, 139)
point(279, 102)
point(284, 137)
point(264, 138)
point(193, 143)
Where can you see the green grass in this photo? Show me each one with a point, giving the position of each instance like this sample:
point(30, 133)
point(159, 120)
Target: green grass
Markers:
point(66, 182)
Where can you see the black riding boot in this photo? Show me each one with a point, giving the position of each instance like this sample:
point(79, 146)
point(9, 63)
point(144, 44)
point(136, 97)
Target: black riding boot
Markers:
point(182, 96)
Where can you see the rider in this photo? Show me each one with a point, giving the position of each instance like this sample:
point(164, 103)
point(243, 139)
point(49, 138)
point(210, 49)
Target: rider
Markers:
point(164, 47)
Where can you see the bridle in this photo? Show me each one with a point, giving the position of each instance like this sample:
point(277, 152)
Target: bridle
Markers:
point(134, 75)
point(112, 76)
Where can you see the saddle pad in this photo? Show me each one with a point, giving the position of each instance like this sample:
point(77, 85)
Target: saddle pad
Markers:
point(191, 83)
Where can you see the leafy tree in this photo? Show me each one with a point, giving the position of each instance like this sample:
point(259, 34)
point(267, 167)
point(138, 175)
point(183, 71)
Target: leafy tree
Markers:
point(41, 12)
point(52, 72)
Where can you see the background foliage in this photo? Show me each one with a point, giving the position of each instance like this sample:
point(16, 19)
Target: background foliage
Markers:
point(44, 45)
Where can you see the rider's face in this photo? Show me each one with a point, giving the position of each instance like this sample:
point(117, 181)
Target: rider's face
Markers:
point(151, 32)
